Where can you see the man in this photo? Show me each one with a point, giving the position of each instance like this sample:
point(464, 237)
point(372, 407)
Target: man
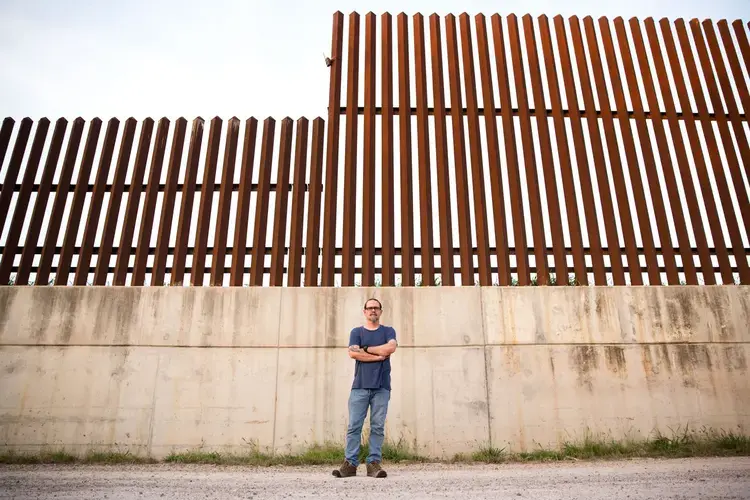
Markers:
point(371, 345)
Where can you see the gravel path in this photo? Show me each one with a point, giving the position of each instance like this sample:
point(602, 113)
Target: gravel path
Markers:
point(704, 478)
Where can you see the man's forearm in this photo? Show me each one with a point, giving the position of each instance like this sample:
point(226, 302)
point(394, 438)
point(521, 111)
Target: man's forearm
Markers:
point(365, 357)
point(356, 352)
point(382, 350)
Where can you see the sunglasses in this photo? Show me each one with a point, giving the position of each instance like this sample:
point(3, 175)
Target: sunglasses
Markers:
point(372, 308)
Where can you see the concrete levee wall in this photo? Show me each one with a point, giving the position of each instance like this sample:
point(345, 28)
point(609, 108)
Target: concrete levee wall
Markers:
point(157, 370)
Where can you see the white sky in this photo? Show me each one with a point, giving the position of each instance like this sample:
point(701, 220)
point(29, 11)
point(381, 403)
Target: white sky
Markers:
point(221, 57)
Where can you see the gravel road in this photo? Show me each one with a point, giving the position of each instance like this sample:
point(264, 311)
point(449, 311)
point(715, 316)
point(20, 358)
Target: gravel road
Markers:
point(704, 478)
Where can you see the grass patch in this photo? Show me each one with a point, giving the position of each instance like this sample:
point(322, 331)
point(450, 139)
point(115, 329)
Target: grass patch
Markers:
point(490, 455)
point(315, 455)
point(685, 443)
point(328, 454)
point(63, 457)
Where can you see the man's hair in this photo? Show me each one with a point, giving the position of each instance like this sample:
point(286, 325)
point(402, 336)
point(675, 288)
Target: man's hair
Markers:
point(373, 298)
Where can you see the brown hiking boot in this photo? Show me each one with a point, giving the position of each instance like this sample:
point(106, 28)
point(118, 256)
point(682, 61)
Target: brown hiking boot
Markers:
point(346, 470)
point(375, 470)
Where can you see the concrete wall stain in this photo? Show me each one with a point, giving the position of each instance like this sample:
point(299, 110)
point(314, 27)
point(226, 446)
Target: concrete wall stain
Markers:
point(649, 367)
point(332, 318)
point(585, 360)
point(512, 362)
point(615, 356)
point(187, 310)
point(687, 361)
point(744, 300)
point(540, 325)
point(69, 318)
point(42, 315)
point(7, 296)
point(662, 352)
point(654, 308)
point(17, 364)
point(210, 303)
point(719, 305)
point(734, 357)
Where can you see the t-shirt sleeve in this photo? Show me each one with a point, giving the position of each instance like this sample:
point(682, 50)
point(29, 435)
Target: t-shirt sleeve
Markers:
point(354, 337)
point(390, 334)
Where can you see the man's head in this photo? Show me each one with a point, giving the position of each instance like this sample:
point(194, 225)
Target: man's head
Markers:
point(372, 310)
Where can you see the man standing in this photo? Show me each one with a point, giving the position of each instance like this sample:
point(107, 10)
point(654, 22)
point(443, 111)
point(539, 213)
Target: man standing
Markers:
point(371, 345)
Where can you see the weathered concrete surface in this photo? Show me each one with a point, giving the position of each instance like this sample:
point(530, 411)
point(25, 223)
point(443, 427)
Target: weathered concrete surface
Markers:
point(685, 479)
point(156, 370)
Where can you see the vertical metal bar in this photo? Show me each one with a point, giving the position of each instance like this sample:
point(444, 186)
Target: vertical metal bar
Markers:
point(5, 133)
point(649, 160)
point(608, 214)
point(464, 222)
point(332, 153)
point(731, 156)
point(563, 149)
point(149, 204)
point(278, 246)
point(134, 199)
point(298, 204)
point(683, 162)
point(427, 251)
point(613, 149)
point(368, 159)
point(712, 211)
point(734, 64)
point(493, 159)
point(312, 248)
point(76, 208)
point(113, 207)
point(350, 154)
point(186, 206)
point(631, 159)
point(388, 221)
point(548, 162)
point(584, 171)
point(207, 198)
point(168, 201)
point(257, 268)
point(239, 247)
point(405, 153)
point(24, 196)
point(225, 203)
point(447, 269)
point(740, 31)
point(511, 154)
point(734, 115)
point(58, 206)
point(14, 166)
point(40, 204)
point(97, 199)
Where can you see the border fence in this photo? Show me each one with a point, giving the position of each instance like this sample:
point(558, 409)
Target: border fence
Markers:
point(472, 151)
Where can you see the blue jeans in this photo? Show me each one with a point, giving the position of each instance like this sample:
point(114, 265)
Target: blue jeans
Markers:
point(359, 401)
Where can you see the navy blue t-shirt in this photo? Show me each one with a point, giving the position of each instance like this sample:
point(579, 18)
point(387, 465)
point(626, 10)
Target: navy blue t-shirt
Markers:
point(375, 374)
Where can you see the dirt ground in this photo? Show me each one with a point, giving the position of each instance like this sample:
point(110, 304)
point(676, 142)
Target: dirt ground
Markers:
point(704, 478)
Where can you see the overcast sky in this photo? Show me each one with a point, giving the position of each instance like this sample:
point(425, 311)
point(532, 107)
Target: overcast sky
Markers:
point(220, 57)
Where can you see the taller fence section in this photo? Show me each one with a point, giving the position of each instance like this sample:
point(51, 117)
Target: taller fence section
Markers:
point(457, 151)
point(538, 151)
